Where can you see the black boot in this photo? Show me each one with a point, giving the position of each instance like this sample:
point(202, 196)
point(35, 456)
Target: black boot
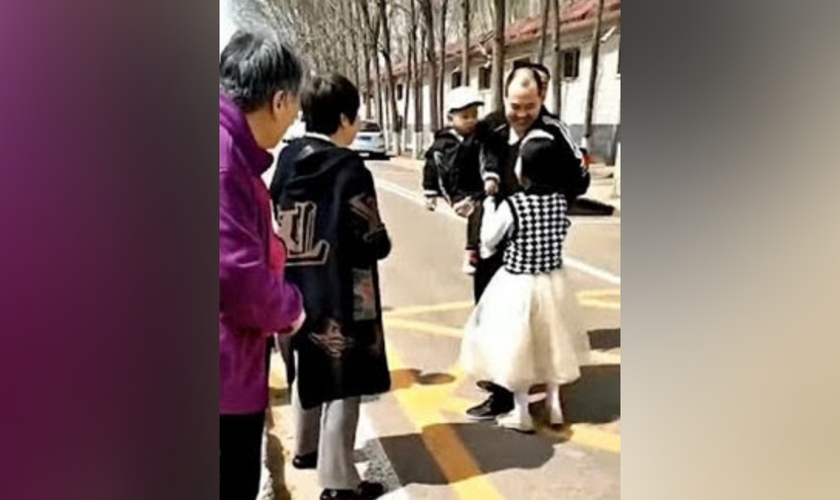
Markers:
point(308, 461)
point(365, 491)
point(499, 403)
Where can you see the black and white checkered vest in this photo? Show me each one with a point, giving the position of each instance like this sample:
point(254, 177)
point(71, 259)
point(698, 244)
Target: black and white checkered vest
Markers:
point(541, 224)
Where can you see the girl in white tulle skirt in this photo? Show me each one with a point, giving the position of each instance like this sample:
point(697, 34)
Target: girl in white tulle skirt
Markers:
point(521, 332)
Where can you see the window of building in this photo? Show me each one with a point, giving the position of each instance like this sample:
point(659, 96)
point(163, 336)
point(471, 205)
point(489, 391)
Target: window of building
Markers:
point(484, 77)
point(399, 91)
point(457, 79)
point(571, 63)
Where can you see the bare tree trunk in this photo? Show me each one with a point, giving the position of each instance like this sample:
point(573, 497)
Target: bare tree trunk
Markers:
point(419, 78)
point(498, 55)
point(409, 75)
point(558, 61)
point(354, 44)
point(465, 56)
point(368, 49)
point(546, 6)
point(368, 82)
point(429, 26)
point(389, 72)
point(593, 74)
point(380, 118)
point(372, 27)
point(343, 36)
point(441, 113)
point(380, 113)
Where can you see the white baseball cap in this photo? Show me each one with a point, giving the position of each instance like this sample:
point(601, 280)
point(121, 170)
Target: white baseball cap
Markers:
point(463, 97)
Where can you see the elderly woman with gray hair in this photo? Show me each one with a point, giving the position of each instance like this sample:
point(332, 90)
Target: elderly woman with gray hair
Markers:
point(259, 79)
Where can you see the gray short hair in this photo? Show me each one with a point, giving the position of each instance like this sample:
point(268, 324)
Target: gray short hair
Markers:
point(253, 67)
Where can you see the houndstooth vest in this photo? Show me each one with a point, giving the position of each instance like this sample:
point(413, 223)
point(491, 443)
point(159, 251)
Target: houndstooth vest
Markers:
point(540, 228)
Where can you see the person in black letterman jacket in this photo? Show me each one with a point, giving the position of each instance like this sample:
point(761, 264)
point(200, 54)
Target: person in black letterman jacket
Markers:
point(525, 91)
point(328, 216)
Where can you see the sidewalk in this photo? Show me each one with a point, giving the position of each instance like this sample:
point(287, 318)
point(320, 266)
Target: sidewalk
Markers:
point(601, 191)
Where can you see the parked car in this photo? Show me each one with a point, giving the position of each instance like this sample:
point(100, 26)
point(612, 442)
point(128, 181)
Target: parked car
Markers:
point(296, 131)
point(370, 141)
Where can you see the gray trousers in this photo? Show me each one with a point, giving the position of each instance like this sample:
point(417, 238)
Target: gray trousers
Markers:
point(329, 429)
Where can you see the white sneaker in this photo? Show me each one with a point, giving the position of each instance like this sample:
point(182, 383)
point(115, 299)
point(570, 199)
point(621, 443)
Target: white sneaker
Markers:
point(470, 256)
point(516, 422)
point(468, 269)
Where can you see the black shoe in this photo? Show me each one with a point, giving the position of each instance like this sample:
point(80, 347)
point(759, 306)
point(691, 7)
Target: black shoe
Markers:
point(487, 386)
point(370, 491)
point(365, 491)
point(491, 408)
point(309, 461)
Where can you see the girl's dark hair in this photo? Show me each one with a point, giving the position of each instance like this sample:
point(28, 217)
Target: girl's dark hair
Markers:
point(536, 154)
point(325, 100)
point(254, 67)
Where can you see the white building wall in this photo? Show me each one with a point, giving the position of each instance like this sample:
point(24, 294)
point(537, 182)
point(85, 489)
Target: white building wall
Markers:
point(607, 106)
point(574, 90)
point(608, 88)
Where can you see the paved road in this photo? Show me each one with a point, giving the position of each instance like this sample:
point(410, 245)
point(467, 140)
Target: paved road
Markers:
point(416, 438)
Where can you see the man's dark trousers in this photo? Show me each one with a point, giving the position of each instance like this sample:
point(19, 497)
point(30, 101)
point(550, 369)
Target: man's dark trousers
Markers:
point(484, 272)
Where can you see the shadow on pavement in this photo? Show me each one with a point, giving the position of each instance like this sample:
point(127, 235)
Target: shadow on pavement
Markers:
point(588, 206)
point(492, 450)
point(595, 398)
point(406, 378)
point(605, 339)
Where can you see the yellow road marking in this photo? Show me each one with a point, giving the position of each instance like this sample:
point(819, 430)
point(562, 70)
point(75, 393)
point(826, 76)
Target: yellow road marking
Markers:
point(598, 357)
point(601, 299)
point(591, 436)
point(274, 380)
point(422, 409)
point(423, 405)
point(424, 327)
point(448, 306)
point(583, 434)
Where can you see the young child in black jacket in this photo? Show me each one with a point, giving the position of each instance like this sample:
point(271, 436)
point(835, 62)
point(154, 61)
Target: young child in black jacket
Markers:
point(452, 170)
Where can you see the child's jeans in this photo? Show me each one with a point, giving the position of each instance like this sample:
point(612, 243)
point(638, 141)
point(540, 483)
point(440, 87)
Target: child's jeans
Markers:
point(474, 228)
point(473, 220)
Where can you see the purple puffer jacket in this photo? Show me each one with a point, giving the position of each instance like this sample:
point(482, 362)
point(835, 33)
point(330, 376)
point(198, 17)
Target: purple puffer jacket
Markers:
point(254, 299)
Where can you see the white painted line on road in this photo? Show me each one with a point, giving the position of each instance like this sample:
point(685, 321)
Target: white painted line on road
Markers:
point(397, 189)
point(446, 211)
point(595, 220)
